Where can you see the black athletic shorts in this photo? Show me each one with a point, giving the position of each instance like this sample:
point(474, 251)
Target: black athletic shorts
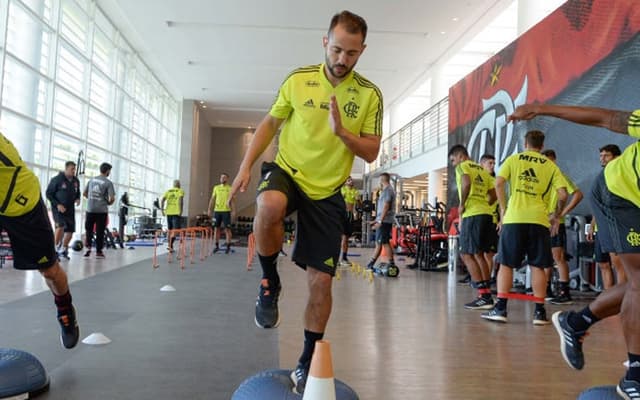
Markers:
point(560, 240)
point(221, 218)
point(476, 234)
point(31, 238)
point(599, 256)
point(618, 219)
point(383, 233)
point(520, 240)
point(348, 224)
point(174, 222)
point(493, 237)
point(319, 225)
point(66, 220)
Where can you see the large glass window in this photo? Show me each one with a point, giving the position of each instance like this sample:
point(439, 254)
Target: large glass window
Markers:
point(70, 82)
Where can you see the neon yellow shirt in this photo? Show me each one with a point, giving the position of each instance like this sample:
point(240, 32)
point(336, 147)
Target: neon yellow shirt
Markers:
point(221, 192)
point(478, 200)
point(172, 197)
point(531, 177)
point(622, 174)
point(553, 196)
point(309, 151)
point(495, 207)
point(19, 187)
point(350, 195)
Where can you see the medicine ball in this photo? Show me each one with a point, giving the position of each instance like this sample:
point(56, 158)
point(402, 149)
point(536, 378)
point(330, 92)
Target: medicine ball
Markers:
point(77, 245)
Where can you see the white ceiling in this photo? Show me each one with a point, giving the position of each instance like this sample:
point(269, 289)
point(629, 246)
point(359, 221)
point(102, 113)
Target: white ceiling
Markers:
point(234, 54)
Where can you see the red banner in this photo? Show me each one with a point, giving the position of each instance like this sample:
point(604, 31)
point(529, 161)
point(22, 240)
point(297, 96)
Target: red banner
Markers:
point(548, 58)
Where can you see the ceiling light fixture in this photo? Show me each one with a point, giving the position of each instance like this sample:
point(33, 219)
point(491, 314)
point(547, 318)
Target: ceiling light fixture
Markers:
point(204, 106)
point(455, 19)
point(201, 101)
point(442, 32)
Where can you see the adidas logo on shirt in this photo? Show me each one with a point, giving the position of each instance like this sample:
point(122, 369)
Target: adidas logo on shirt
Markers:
point(529, 175)
point(309, 103)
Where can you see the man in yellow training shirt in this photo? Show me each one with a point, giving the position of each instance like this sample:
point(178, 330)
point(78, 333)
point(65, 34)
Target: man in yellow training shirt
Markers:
point(351, 196)
point(476, 195)
point(615, 202)
point(24, 216)
point(174, 200)
point(222, 211)
point(526, 226)
point(329, 114)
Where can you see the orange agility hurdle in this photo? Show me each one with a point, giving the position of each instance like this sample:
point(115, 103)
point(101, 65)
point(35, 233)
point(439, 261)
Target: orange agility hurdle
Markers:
point(193, 233)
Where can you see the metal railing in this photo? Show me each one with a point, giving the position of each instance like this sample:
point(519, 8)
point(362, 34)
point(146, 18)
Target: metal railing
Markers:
point(426, 131)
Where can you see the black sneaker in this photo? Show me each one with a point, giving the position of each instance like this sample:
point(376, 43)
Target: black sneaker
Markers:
point(69, 331)
point(540, 317)
point(496, 315)
point(267, 315)
point(563, 299)
point(345, 262)
point(480, 304)
point(628, 390)
point(466, 280)
point(64, 254)
point(371, 265)
point(299, 378)
point(99, 254)
point(228, 249)
point(570, 340)
point(550, 295)
point(88, 253)
point(217, 249)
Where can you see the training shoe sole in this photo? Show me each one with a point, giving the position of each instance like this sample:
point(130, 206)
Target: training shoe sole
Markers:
point(541, 322)
point(495, 318)
point(561, 303)
point(267, 327)
point(556, 323)
point(485, 307)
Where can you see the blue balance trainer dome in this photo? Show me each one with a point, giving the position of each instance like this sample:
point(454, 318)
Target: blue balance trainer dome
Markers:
point(599, 393)
point(276, 385)
point(21, 374)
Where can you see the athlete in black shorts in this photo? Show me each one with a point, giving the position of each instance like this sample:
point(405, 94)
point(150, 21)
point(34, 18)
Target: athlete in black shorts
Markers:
point(23, 215)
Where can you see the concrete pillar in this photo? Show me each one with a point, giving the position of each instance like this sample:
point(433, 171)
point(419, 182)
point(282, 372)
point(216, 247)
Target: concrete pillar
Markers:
point(189, 126)
point(435, 187)
point(439, 85)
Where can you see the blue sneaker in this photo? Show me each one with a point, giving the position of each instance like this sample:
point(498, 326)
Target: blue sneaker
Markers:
point(299, 378)
point(267, 315)
point(570, 340)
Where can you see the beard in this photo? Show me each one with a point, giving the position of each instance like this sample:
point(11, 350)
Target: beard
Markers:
point(332, 68)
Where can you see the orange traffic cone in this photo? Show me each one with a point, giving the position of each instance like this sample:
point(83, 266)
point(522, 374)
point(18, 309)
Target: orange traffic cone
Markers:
point(320, 383)
point(384, 254)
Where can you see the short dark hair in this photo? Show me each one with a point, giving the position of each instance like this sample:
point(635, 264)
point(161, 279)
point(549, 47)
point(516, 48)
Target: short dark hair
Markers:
point(487, 156)
point(535, 139)
point(352, 23)
point(458, 149)
point(224, 173)
point(69, 164)
point(105, 167)
point(549, 153)
point(386, 176)
point(611, 148)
